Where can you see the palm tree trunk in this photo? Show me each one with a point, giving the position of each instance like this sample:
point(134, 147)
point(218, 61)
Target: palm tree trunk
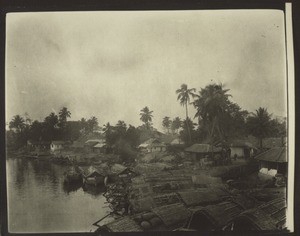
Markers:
point(187, 123)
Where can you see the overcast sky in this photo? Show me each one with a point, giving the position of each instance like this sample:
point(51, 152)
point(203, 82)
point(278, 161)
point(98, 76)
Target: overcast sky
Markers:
point(112, 64)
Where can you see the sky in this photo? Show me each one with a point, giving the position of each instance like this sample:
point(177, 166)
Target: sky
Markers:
point(112, 64)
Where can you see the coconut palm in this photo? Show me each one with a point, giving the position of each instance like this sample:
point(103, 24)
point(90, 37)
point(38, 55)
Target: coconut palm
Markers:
point(146, 116)
point(17, 123)
point(64, 114)
point(166, 123)
point(211, 104)
point(184, 95)
point(259, 124)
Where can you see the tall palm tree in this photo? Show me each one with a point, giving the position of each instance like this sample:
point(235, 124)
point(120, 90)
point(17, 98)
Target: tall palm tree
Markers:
point(17, 123)
point(184, 95)
point(211, 104)
point(64, 113)
point(166, 123)
point(259, 124)
point(146, 116)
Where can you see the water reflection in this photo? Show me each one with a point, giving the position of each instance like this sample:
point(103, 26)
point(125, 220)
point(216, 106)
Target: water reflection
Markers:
point(93, 190)
point(39, 201)
point(71, 187)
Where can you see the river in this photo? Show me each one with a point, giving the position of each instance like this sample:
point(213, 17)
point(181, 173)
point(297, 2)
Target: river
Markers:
point(39, 201)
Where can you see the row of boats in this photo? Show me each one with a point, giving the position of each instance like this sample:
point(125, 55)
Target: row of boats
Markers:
point(97, 176)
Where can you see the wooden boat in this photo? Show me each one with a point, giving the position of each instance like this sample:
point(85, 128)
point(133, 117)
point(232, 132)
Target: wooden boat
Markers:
point(92, 176)
point(72, 177)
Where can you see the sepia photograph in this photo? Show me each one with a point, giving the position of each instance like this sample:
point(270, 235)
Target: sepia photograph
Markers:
point(146, 121)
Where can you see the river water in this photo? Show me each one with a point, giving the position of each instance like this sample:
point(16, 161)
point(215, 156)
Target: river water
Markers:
point(39, 202)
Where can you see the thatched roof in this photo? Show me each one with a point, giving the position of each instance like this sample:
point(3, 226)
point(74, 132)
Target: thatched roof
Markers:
point(202, 196)
point(168, 138)
point(241, 143)
point(124, 224)
point(58, 142)
point(172, 214)
point(99, 145)
point(203, 148)
point(219, 215)
point(118, 168)
point(86, 172)
point(277, 154)
point(269, 216)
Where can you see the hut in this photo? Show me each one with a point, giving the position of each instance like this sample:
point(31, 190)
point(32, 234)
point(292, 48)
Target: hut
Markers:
point(92, 175)
point(89, 144)
point(120, 172)
point(99, 148)
point(200, 151)
point(273, 162)
point(57, 145)
point(161, 218)
point(41, 145)
point(152, 145)
point(213, 217)
point(242, 149)
point(172, 215)
point(202, 196)
point(123, 224)
point(269, 216)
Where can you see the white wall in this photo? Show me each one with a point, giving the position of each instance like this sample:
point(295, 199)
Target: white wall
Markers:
point(239, 151)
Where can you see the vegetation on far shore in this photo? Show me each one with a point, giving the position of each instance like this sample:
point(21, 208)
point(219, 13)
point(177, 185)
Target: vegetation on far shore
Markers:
point(217, 118)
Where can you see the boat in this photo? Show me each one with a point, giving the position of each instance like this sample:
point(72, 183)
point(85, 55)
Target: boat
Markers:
point(72, 176)
point(92, 176)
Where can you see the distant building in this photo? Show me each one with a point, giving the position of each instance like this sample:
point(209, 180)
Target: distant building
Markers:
point(38, 144)
point(242, 149)
point(200, 151)
point(152, 145)
point(273, 161)
point(94, 145)
point(57, 145)
point(99, 148)
point(158, 147)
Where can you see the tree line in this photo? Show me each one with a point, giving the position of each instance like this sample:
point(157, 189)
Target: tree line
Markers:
point(217, 119)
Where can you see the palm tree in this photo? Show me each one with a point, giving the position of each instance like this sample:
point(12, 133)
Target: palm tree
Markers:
point(176, 124)
point(146, 116)
point(121, 127)
point(184, 97)
point(211, 104)
point(92, 123)
point(17, 123)
point(51, 120)
point(259, 124)
point(64, 114)
point(166, 123)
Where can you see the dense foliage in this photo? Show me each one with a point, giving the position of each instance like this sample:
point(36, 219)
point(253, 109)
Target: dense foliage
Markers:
point(217, 118)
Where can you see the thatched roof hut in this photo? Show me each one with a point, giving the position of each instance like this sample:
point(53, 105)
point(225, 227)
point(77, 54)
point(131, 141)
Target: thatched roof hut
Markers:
point(213, 217)
point(202, 196)
point(172, 214)
point(276, 154)
point(124, 224)
point(269, 216)
point(91, 171)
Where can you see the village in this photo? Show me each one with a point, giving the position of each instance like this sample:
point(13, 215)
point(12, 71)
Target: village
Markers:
point(173, 180)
